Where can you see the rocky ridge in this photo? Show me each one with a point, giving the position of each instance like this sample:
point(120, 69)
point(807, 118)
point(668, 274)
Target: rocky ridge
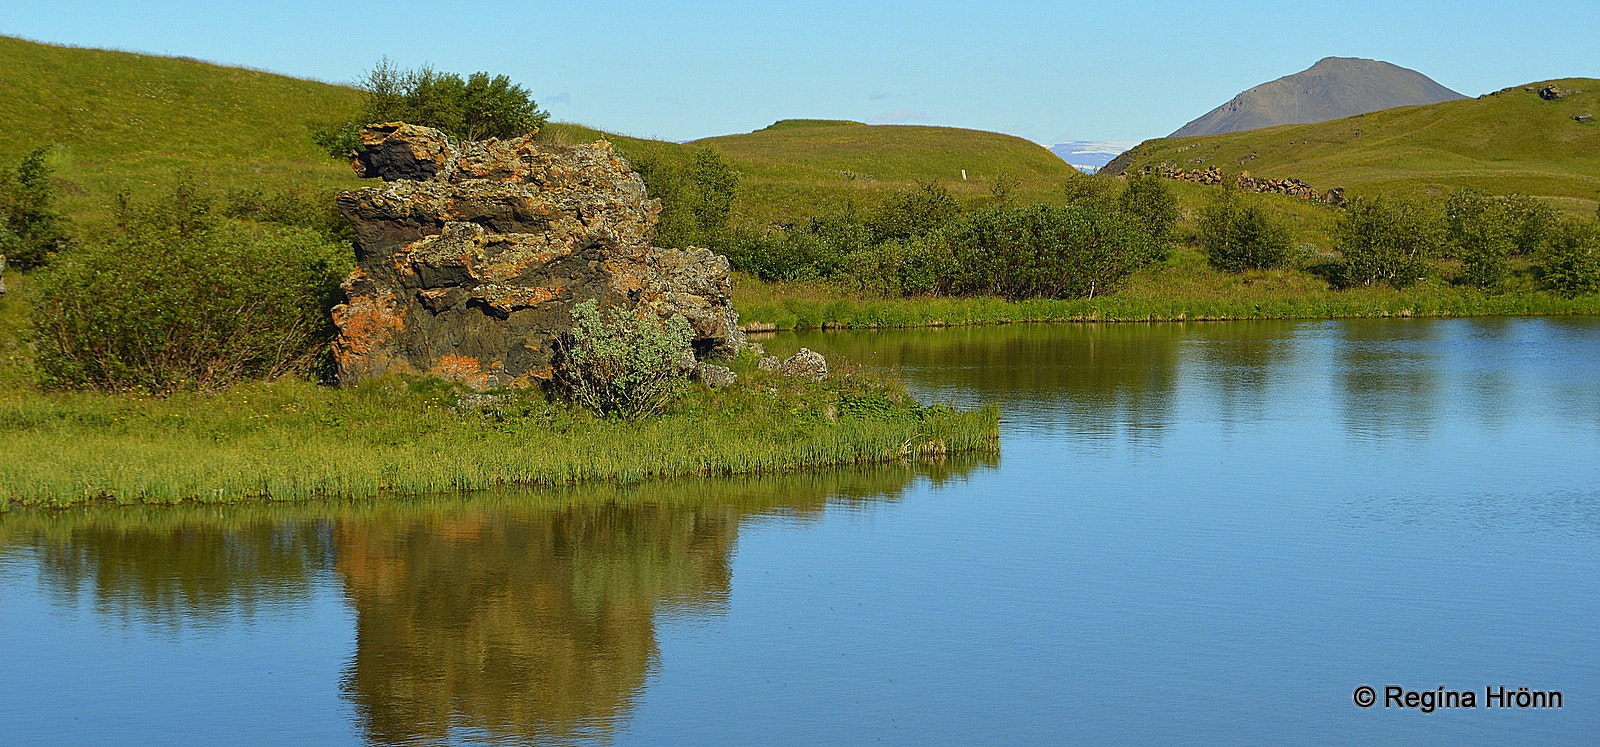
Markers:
point(472, 254)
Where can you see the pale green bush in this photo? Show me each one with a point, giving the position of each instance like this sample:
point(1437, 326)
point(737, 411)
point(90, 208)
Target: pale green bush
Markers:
point(622, 363)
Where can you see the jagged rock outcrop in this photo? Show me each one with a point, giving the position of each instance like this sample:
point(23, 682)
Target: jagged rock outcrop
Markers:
point(472, 255)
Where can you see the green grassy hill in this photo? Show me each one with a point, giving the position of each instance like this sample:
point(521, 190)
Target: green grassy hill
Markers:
point(1510, 141)
point(796, 168)
point(122, 121)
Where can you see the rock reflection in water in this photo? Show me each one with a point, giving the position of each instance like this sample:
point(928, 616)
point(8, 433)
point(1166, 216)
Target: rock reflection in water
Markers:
point(520, 616)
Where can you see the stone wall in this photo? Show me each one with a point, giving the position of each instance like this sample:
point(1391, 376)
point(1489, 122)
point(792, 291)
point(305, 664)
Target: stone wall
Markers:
point(1244, 181)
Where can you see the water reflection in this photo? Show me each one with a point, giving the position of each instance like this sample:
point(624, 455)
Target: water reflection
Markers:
point(171, 567)
point(1237, 365)
point(1099, 381)
point(518, 616)
point(1388, 376)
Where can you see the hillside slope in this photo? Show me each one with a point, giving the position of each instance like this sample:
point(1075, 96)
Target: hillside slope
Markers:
point(1513, 140)
point(1333, 88)
point(122, 121)
point(796, 168)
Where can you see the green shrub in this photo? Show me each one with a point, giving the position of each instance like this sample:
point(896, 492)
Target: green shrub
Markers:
point(295, 207)
point(758, 253)
point(623, 364)
point(1148, 198)
point(913, 213)
point(1238, 235)
point(1570, 257)
point(696, 193)
point(1094, 192)
point(1042, 251)
point(179, 298)
point(30, 229)
point(478, 107)
point(1485, 231)
point(1390, 239)
point(896, 268)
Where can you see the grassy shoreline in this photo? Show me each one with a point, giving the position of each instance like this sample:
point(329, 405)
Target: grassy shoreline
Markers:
point(1182, 289)
point(294, 440)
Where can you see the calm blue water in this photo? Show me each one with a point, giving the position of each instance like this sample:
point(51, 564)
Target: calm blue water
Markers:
point(1198, 533)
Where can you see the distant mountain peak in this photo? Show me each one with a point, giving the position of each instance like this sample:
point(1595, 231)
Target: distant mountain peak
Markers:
point(1333, 88)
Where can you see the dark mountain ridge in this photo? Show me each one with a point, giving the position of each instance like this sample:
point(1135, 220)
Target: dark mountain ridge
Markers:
point(1334, 88)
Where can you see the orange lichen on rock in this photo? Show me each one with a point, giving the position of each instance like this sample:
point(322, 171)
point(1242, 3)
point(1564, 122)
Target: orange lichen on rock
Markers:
point(461, 368)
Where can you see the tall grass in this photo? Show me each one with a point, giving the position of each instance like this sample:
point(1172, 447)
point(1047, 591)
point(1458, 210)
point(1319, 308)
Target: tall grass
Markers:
point(292, 440)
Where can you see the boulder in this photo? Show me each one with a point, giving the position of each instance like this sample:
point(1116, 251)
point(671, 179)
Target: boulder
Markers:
point(472, 254)
point(769, 363)
point(2, 274)
point(1584, 117)
point(1553, 92)
point(806, 364)
point(715, 376)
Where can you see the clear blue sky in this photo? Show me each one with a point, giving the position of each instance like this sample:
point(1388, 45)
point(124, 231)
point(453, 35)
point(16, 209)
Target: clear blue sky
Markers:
point(1044, 71)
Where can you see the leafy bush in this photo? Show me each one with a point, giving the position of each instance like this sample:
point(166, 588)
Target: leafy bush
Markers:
point(180, 298)
point(696, 194)
point(898, 268)
point(623, 364)
point(1237, 235)
point(296, 207)
point(1485, 231)
point(913, 213)
point(30, 229)
point(1570, 257)
point(1042, 251)
point(1148, 199)
point(1091, 191)
point(478, 107)
point(760, 254)
point(1389, 239)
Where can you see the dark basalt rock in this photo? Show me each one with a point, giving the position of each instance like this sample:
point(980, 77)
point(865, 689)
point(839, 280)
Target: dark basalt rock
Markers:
point(1553, 92)
point(472, 255)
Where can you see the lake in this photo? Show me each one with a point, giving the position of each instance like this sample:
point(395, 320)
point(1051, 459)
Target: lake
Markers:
point(1205, 532)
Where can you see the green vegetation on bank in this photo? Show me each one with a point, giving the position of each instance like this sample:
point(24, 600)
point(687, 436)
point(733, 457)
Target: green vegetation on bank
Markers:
point(291, 439)
point(1183, 287)
point(178, 296)
point(1511, 141)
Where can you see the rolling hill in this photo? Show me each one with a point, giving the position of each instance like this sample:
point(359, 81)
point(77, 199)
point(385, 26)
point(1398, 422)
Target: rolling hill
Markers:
point(121, 121)
point(1334, 88)
point(1513, 140)
point(795, 168)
